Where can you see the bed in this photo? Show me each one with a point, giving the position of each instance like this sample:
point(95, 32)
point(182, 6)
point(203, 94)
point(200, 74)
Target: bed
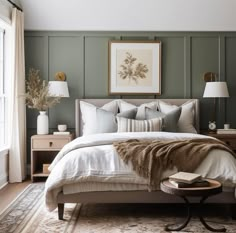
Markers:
point(124, 185)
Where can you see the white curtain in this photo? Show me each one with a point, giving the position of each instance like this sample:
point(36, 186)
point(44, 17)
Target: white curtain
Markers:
point(17, 123)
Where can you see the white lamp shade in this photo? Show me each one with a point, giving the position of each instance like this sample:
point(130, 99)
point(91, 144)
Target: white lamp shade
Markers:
point(216, 89)
point(58, 89)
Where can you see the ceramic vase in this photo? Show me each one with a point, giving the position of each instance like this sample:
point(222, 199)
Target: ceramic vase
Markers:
point(42, 123)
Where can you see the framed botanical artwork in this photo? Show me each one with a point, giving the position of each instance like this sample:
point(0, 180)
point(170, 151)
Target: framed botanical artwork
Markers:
point(134, 67)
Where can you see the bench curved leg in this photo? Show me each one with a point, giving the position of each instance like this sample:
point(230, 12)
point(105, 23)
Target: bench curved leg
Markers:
point(60, 207)
point(204, 222)
point(178, 227)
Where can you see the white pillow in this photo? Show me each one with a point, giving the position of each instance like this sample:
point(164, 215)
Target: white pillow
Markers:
point(131, 125)
point(98, 120)
point(186, 120)
point(111, 107)
point(124, 106)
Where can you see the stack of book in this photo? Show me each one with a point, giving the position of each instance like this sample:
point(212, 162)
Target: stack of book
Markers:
point(226, 131)
point(188, 180)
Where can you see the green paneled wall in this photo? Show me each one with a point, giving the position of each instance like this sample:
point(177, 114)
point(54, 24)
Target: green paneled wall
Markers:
point(173, 66)
point(66, 54)
point(230, 76)
point(96, 66)
point(83, 56)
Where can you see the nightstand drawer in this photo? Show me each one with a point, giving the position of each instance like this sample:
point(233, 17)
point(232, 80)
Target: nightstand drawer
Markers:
point(44, 149)
point(230, 142)
point(49, 143)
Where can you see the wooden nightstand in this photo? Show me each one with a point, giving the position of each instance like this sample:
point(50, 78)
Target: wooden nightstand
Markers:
point(44, 148)
point(229, 139)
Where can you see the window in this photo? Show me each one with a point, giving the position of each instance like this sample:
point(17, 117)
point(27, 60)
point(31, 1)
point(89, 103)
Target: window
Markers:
point(2, 93)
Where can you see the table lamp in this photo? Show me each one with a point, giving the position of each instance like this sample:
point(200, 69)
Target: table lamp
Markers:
point(215, 90)
point(59, 89)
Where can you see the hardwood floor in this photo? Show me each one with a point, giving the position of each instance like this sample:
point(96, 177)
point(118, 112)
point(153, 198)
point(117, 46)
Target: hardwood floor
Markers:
point(10, 192)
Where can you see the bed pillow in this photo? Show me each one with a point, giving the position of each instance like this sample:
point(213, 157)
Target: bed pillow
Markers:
point(111, 106)
point(170, 119)
point(131, 114)
point(131, 125)
point(124, 106)
point(98, 120)
point(186, 120)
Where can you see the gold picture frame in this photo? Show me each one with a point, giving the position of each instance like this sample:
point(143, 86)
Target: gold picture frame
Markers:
point(134, 67)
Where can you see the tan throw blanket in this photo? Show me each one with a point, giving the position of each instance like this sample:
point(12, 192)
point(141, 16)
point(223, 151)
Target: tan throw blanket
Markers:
point(151, 158)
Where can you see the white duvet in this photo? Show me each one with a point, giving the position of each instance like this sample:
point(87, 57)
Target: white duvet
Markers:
point(92, 159)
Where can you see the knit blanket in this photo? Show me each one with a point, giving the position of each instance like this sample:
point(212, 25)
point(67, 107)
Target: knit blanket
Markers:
point(150, 158)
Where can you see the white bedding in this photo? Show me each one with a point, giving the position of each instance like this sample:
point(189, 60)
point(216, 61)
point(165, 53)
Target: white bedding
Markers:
point(92, 158)
point(101, 186)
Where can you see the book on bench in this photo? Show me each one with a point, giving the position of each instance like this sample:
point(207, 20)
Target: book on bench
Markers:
point(185, 177)
point(198, 183)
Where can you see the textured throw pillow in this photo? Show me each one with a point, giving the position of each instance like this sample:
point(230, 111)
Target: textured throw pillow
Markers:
point(186, 120)
point(170, 120)
point(98, 120)
point(131, 125)
point(131, 114)
point(124, 106)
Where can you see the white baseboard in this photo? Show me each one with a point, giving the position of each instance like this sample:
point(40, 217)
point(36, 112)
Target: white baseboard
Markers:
point(3, 181)
point(3, 168)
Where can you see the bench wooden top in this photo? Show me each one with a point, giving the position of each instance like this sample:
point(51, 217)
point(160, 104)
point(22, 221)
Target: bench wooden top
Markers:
point(214, 187)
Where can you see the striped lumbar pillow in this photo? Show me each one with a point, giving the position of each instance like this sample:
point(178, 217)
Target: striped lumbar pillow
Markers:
point(131, 125)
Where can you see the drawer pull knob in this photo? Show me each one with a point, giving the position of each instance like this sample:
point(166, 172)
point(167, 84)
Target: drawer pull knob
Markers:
point(228, 143)
point(50, 143)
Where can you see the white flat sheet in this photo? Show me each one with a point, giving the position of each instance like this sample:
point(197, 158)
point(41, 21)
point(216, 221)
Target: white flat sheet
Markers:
point(92, 158)
point(105, 186)
point(214, 166)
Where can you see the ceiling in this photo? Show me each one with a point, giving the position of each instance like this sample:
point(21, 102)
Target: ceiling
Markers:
point(130, 15)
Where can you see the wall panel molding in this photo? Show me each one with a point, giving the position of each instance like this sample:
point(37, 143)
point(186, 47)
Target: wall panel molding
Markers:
point(230, 76)
point(222, 77)
point(187, 67)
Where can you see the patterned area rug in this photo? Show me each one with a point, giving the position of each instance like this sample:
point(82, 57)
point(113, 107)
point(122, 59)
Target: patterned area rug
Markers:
point(27, 214)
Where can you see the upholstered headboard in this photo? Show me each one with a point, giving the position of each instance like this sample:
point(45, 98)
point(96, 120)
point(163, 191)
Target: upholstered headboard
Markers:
point(101, 102)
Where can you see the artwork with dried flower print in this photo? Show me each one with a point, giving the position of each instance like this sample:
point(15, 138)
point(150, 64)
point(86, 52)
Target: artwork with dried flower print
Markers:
point(134, 67)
